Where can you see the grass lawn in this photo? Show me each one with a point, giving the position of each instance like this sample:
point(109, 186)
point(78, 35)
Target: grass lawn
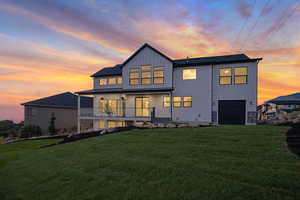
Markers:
point(228, 162)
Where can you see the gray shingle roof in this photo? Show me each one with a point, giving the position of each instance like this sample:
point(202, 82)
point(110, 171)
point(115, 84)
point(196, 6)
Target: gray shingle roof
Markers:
point(236, 58)
point(212, 60)
point(288, 99)
point(66, 100)
point(109, 71)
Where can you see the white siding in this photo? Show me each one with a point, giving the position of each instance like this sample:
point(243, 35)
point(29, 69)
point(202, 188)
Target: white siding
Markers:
point(98, 86)
point(199, 89)
point(148, 57)
point(246, 92)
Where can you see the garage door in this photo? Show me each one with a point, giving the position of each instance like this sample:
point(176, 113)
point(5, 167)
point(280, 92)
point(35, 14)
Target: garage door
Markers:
point(232, 111)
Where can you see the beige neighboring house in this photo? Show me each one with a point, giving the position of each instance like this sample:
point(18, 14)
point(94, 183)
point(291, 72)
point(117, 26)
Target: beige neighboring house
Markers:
point(62, 106)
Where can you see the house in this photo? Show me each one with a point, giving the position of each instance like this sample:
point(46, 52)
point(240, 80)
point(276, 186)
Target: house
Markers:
point(62, 106)
point(279, 105)
point(150, 86)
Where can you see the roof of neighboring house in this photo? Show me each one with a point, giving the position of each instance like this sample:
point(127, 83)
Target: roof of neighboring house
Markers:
point(285, 100)
point(64, 100)
point(236, 58)
point(120, 90)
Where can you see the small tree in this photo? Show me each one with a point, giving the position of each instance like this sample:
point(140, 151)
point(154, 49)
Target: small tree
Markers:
point(51, 128)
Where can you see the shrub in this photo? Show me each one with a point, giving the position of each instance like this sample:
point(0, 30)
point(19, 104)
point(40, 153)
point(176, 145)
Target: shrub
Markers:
point(30, 131)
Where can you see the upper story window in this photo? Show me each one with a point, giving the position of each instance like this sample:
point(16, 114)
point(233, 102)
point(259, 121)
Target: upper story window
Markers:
point(111, 81)
point(189, 74)
point(134, 76)
point(238, 75)
point(158, 75)
point(146, 75)
point(103, 81)
point(225, 76)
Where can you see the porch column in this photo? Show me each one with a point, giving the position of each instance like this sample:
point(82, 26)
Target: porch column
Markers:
point(171, 105)
point(78, 114)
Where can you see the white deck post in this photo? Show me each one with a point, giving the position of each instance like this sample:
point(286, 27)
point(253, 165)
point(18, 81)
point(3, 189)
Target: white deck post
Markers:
point(78, 114)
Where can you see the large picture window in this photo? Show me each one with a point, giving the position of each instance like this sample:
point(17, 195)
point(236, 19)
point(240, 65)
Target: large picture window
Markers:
point(240, 75)
point(146, 75)
point(225, 76)
point(189, 74)
point(111, 106)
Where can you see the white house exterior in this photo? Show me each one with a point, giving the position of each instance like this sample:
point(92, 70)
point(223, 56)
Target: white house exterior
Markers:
point(149, 86)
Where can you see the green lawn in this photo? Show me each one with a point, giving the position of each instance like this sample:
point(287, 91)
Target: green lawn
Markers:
point(229, 162)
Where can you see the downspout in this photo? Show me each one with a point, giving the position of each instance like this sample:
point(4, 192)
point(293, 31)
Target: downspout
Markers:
point(211, 96)
point(78, 114)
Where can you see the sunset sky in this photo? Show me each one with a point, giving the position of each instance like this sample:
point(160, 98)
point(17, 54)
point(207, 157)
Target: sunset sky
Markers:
point(52, 46)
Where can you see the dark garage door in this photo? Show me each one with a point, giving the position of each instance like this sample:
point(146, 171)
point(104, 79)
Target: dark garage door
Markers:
point(232, 111)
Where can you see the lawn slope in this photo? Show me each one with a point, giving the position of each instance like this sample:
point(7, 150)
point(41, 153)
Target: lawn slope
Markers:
point(228, 162)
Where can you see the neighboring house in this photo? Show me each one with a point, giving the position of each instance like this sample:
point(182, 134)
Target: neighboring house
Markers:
point(273, 107)
point(62, 106)
point(150, 86)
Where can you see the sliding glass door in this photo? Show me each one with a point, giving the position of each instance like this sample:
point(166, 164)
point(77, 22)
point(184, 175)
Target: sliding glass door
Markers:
point(142, 107)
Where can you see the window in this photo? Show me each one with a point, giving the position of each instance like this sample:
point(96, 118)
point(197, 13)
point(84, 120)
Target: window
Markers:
point(189, 74)
point(146, 78)
point(134, 78)
point(113, 124)
point(187, 101)
point(225, 76)
point(146, 68)
point(119, 80)
point(166, 102)
point(240, 75)
point(111, 106)
point(176, 101)
point(112, 81)
point(143, 75)
point(101, 124)
point(158, 77)
point(103, 81)
point(142, 108)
